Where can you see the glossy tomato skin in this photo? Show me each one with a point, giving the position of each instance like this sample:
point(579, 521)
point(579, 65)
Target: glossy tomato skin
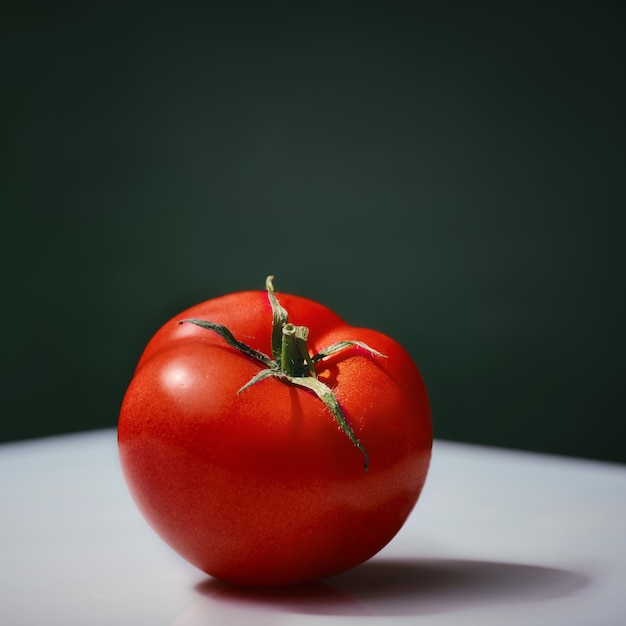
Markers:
point(262, 488)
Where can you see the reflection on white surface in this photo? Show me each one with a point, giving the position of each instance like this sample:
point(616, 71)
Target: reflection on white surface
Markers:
point(498, 539)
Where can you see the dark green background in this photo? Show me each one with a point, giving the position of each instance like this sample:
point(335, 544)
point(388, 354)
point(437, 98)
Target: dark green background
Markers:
point(450, 173)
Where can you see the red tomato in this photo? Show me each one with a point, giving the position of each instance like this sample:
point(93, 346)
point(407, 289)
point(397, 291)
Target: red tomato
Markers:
point(307, 472)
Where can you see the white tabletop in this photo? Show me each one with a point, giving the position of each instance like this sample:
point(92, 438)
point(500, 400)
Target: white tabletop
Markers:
point(498, 537)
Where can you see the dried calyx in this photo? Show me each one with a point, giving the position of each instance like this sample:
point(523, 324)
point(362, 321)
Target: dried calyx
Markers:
point(291, 361)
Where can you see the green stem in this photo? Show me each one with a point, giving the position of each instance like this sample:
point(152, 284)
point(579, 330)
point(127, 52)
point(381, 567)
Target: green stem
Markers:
point(295, 359)
point(289, 355)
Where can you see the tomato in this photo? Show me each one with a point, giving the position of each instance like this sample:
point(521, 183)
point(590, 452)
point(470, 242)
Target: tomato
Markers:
point(269, 453)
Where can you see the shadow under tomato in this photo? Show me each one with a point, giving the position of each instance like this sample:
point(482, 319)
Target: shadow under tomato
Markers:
point(388, 587)
point(413, 587)
point(315, 598)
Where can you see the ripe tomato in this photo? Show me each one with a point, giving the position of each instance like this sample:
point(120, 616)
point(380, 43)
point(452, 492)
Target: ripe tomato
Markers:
point(281, 468)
